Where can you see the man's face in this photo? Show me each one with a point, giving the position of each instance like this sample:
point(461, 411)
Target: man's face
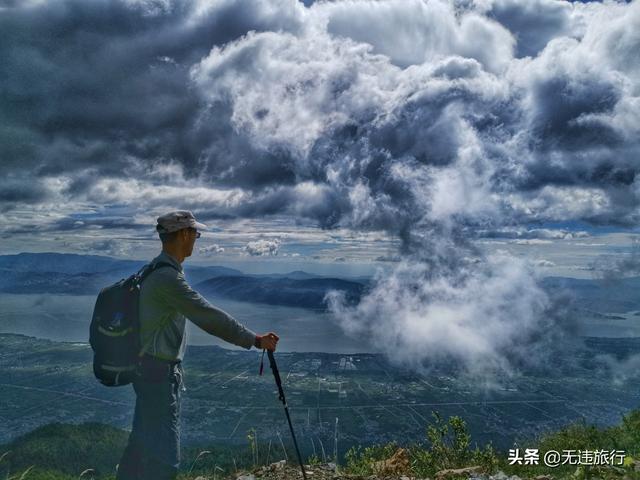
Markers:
point(189, 239)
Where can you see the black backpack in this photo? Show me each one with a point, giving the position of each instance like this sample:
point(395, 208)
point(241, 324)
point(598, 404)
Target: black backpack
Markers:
point(114, 333)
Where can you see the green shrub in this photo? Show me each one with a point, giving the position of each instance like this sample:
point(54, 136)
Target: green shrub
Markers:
point(360, 460)
point(449, 446)
point(581, 436)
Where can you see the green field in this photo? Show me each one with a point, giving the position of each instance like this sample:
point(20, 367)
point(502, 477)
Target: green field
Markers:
point(373, 401)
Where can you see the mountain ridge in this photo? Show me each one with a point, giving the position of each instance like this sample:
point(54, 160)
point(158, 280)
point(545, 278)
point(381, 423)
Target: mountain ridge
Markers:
point(32, 273)
point(76, 274)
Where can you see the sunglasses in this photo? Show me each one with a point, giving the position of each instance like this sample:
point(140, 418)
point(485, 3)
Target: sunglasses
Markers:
point(198, 234)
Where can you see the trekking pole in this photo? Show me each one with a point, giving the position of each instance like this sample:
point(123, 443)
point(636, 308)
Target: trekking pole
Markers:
point(276, 375)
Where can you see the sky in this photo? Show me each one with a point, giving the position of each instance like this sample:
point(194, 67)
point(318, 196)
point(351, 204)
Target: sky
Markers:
point(461, 149)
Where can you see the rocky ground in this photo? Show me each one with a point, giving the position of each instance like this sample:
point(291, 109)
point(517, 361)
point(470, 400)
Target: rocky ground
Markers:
point(396, 466)
point(282, 471)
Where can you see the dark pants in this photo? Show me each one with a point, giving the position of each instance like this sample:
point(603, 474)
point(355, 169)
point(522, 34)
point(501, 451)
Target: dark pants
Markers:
point(153, 451)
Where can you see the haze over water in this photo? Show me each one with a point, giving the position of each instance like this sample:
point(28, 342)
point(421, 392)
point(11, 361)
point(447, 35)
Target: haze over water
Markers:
point(66, 318)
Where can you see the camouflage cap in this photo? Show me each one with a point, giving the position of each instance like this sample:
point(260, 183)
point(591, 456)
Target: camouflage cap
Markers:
point(174, 221)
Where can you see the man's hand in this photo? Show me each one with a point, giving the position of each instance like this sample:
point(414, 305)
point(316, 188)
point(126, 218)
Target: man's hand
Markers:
point(268, 341)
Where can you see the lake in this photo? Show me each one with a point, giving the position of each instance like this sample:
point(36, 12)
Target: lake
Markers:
point(67, 317)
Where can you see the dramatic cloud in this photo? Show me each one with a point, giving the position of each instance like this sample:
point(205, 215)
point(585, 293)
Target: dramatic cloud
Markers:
point(435, 122)
point(428, 31)
point(95, 84)
point(468, 315)
point(314, 114)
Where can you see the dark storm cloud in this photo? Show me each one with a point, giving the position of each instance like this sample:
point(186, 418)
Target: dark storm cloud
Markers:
point(93, 84)
point(21, 189)
point(561, 102)
point(556, 120)
point(110, 89)
point(361, 139)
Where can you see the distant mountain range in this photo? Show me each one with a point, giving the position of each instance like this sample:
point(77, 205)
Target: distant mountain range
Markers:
point(72, 274)
point(62, 273)
point(293, 292)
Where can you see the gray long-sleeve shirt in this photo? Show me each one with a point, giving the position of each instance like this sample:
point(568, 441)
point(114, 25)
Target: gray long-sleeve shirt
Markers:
point(166, 299)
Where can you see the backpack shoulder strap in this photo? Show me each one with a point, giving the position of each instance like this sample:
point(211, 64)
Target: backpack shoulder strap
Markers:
point(152, 267)
point(148, 269)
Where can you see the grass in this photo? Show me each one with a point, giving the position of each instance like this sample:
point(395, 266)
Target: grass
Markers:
point(447, 445)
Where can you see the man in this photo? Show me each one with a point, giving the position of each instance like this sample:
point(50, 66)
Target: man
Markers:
point(153, 451)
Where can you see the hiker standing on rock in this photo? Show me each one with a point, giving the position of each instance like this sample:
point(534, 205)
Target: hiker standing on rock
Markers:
point(153, 451)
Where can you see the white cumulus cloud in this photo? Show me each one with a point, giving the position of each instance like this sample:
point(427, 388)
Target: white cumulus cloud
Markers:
point(262, 247)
